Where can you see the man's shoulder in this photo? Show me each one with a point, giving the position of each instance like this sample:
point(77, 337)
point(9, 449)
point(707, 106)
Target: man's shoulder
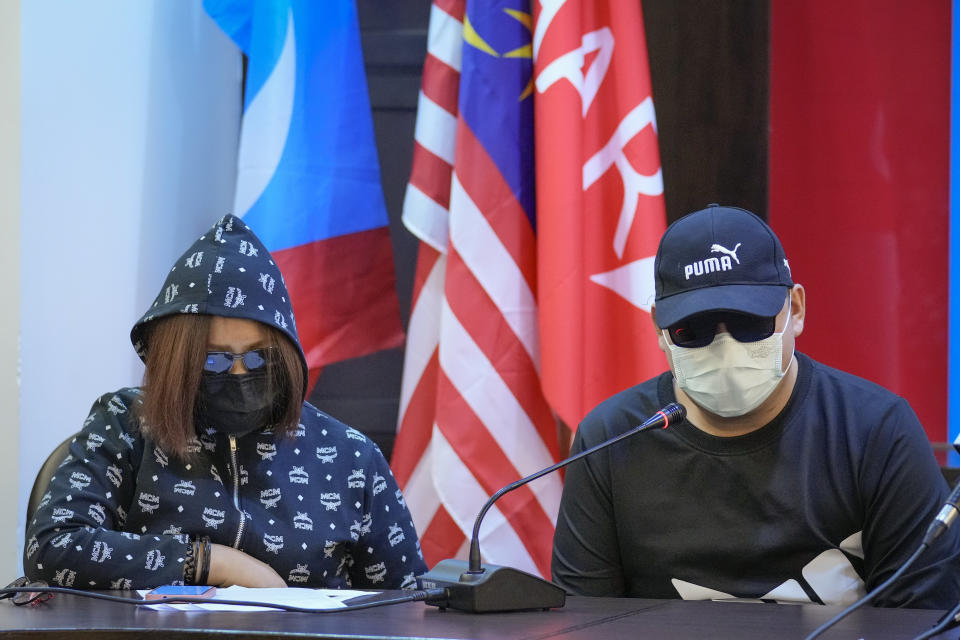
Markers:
point(855, 406)
point(831, 381)
point(627, 408)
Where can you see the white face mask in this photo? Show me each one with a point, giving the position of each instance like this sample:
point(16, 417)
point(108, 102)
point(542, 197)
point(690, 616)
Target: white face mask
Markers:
point(727, 377)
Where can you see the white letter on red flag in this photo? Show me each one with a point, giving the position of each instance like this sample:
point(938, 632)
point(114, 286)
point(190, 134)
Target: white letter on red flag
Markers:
point(597, 230)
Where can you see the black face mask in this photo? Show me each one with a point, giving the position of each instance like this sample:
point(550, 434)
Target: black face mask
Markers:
point(235, 404)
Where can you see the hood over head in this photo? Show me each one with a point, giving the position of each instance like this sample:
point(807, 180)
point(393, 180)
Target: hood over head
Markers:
point(226, 272)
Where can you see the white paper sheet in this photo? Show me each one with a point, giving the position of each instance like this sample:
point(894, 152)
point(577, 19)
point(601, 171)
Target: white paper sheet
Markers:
point(294, 596)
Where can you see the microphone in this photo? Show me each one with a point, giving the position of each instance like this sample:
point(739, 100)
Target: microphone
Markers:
point(943, 521)
point(476, 588)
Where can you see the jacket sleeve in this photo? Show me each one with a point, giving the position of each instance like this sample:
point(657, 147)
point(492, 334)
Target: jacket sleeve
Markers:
point(76, 538)
point(387, 553)
point(586, 557)
point(902, 492)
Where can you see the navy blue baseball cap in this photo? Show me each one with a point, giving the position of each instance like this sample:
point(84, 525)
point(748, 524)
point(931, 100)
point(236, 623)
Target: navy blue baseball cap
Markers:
point(719, 259)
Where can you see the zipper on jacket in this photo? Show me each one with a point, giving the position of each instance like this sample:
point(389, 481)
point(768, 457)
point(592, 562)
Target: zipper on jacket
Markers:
point(236, 490)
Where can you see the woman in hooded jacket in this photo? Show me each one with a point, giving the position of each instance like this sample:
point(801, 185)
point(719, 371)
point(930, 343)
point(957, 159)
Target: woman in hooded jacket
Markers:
point(216, 470)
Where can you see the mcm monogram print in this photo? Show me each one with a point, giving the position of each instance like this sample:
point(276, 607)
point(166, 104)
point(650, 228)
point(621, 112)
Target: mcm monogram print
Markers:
point(298, 475)
point(61, 514)
point(376, 572)
point(101, 551)
point(330, 500)
point(248, 249)
point(303, 521)
point(213, 518)
point(269, 498)
point(195, 260)
point(234, 298)
point(65, 577)
point(79, 480)
point(273, 543)
point(306, 505)
point(94, 441)
point(149, 502)
point(267, 281)
point(97, 512)
point(185, 487)
point(395, 535)
point(299, 574)
point(357, 479)
point(115, 475)
point(266, 450)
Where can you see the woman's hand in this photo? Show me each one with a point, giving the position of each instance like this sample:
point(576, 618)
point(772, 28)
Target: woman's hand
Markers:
point(228, 566)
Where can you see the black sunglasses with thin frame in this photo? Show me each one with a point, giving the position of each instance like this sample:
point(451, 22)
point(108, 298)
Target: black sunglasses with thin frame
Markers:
point(699, 330)
point(222, 361)
point(21, 598)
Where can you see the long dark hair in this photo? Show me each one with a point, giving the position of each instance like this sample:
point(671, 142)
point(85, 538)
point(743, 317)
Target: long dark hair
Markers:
point(176, 350)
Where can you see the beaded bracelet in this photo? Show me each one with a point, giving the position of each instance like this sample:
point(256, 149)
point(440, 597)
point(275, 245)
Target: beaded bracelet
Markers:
point(189, 564)
point(203, 561)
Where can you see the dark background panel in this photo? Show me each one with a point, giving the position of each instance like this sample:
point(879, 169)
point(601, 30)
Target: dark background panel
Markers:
point(709, 66)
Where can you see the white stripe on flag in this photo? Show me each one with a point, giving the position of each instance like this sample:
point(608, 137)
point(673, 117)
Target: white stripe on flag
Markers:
point(425, 218)
point(445, 37)
point(423, 333)
point(436, 129)
point(493, 266)
point(479, 384)
point(420, 494)
point(462, 496)
point(265, 126)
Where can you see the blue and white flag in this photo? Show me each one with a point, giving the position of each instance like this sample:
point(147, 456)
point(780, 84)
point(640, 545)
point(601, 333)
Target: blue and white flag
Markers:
point(308, 178)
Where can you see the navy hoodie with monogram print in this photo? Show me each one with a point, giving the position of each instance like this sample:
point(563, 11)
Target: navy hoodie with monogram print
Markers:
point(322, 507)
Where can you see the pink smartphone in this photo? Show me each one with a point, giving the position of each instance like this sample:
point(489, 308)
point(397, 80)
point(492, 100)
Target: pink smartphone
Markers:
point(180, 591)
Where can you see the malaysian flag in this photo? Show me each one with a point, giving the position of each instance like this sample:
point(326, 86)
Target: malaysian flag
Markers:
point(308, 176)
point(472, 416)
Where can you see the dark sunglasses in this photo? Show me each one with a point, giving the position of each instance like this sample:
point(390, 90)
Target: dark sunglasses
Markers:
point(699, 330)
point(21, 598)
point(222, 361)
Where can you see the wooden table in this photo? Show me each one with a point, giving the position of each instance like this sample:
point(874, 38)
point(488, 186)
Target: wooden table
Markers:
point(67, 616)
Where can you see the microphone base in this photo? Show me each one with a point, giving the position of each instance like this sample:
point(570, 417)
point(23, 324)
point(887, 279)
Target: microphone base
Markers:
point(495, 588)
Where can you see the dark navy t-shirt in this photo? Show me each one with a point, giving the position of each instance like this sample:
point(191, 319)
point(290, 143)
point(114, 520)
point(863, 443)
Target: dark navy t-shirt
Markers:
point(827, 500)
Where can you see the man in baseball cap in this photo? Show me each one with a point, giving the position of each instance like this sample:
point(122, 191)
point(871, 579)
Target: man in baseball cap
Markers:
point(723, 282)
point(789, 480)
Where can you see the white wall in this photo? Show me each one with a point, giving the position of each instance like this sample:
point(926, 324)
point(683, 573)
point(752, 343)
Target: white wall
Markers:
point(10, 268)
point(130, 119)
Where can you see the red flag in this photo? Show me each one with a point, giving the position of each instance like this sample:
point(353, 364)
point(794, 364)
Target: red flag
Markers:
point(600, 209)
point(860, 186)
point(472, 415)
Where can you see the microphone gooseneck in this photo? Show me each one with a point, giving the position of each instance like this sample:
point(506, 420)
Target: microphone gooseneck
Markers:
point(670, 414)
point(477, 588)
